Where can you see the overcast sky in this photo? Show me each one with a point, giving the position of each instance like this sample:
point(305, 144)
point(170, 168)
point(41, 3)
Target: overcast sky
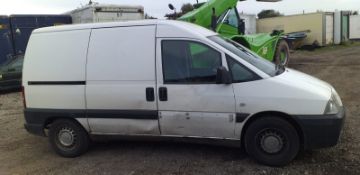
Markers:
point(158, 8)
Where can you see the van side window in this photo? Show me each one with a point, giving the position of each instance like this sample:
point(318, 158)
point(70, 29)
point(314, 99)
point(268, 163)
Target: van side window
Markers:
point(189, 62)
point(239, 72)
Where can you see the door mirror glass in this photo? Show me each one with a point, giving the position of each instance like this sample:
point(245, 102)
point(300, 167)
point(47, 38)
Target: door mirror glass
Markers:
point(223, 76)
point(171, 7)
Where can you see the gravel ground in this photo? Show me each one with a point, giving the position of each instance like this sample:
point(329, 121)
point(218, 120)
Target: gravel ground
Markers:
point(23, 153)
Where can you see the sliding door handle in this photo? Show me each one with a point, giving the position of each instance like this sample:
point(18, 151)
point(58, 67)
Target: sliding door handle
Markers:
point(163, 94)
point(150, 94)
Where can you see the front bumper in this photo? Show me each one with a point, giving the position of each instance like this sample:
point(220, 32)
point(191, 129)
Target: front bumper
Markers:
point(321, 131)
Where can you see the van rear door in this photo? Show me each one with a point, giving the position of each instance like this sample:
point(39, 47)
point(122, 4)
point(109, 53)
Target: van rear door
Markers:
point(120, 89)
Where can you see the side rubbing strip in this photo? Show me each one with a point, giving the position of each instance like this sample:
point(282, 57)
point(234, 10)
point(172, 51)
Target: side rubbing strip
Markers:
point(124, 114)
point(43, 114)
point(56, 82)
point(240, 117)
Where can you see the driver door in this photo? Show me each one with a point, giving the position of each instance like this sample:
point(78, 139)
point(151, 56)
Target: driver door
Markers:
point(190, 102)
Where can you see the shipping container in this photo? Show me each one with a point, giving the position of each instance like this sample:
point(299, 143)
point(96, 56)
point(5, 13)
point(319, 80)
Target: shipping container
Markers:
point(342, 26)
point(23, 25)
point(329, 28)
point(320, 26)
point(345, 19)
point(354, 27)
point(106, 13)
point(337, 27)
point(6, 46)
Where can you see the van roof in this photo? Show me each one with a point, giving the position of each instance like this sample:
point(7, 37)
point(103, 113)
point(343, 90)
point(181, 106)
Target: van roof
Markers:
point(171, 23)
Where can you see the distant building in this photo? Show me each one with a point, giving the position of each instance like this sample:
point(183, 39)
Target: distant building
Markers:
point(106, 13)
point(324, 28)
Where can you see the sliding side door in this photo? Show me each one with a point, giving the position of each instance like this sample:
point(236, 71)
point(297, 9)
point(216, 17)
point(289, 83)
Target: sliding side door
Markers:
point(120, 87)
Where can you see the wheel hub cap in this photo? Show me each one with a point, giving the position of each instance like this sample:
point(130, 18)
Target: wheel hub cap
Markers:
point(66, 137)
point(271, 142)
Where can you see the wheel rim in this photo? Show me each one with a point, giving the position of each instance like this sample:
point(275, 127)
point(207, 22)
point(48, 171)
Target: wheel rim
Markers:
point(67, 137)
point(271, 141)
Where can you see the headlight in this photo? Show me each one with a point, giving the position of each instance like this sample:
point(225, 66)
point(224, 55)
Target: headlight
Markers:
point(334, 104)
point(331, 107)
point(336, 98)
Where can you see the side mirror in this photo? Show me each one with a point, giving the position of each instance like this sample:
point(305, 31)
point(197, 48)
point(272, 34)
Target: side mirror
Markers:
point(171, 7)
point(223, 76)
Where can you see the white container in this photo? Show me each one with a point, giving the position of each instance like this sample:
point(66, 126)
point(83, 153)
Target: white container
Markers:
point(250, 23)
point(355, 27)
point(337, 27)
point(329, 28)
point(106, 13)
point(320, 26)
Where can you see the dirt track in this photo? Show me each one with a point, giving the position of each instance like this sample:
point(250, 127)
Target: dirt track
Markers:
point(23, 153)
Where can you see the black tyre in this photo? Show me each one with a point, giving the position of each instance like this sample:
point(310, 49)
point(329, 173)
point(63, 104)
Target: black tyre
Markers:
point(282, 54)
point(68, 138)
point(272, 141)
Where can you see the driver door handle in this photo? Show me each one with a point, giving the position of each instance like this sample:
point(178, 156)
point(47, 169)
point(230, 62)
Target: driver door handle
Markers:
point(163, 94)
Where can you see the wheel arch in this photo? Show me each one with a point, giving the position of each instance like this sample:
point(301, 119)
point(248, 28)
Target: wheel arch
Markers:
point(51, 120)
point(281, 115)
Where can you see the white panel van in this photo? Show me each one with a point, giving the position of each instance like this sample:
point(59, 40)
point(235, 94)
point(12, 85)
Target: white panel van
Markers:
point(170, 79)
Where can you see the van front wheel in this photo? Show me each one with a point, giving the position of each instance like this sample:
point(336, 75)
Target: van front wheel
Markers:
point(272, 141)
point(68, 138)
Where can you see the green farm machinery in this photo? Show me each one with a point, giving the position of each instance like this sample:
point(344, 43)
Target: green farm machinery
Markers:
point(222, 16)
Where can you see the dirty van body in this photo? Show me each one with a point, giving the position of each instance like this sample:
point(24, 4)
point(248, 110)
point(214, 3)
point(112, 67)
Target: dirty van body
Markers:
point(178, 81)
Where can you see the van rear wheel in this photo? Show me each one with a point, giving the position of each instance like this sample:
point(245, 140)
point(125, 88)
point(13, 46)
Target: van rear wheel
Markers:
point(272, 141)
point(68, 138)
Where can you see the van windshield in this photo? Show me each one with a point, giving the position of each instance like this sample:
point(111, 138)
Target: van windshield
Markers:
point(248, 56)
